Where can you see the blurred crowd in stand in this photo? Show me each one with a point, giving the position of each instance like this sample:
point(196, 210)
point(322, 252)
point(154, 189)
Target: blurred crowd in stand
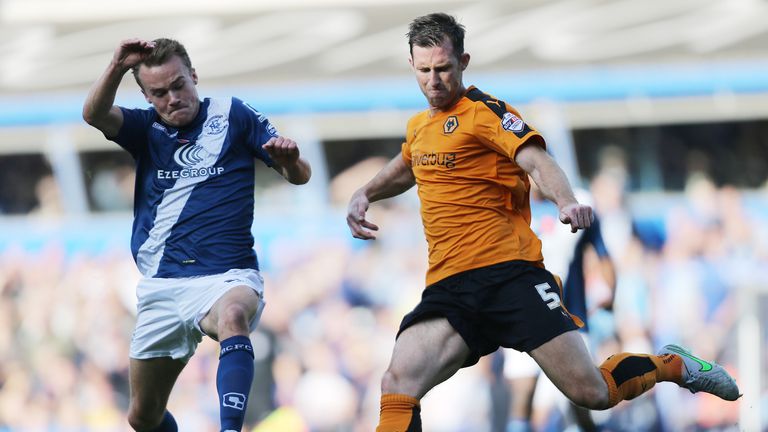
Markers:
point(334, 304)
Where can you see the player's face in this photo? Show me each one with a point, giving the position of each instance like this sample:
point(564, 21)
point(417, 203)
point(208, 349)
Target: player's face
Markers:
point(439, 73)
point(170, 88)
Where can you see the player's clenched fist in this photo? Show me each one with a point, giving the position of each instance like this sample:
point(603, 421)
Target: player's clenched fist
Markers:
point(579, 216)
point(284, 151)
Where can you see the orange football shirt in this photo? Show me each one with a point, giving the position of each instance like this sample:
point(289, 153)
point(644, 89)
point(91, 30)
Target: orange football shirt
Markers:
point(474, 197)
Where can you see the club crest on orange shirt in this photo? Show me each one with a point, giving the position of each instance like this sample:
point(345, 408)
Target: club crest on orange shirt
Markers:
point(450, 125)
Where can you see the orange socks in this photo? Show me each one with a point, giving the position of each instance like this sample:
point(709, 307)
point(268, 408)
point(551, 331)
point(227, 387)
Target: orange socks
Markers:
point(630, 375)
point(399, 413)
point(627, 375)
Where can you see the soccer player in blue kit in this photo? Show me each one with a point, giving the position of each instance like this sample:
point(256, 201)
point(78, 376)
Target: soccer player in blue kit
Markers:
point(564, 254)
point(193, 211)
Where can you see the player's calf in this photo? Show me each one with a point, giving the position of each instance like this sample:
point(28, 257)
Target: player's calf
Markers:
point(233, 381)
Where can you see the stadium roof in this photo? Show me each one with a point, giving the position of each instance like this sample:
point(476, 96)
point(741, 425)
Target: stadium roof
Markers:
point(351, 55)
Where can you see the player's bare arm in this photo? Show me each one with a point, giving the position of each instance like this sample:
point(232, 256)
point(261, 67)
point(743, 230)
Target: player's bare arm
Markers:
point(287, 157)
point(99, 110)
point(392, 180)
point(554, 186)
point(608, 271)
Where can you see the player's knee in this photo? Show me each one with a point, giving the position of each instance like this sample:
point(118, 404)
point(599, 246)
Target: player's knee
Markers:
point(591, 395)
point(144, 420)
point(234, 317)
point(403, 382)
point(389, 382)
point(394, 382)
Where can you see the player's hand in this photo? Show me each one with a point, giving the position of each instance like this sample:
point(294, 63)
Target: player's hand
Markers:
point(131, 52)
point(579, 216)
point(358, 226)
point(284, 151)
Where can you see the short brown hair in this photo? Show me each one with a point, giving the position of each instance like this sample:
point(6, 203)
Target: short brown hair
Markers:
point(163, 51)
point(430, 30)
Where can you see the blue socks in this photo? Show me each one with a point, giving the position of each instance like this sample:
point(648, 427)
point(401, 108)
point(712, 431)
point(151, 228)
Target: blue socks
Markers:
point(167, 425)
point(233, 381)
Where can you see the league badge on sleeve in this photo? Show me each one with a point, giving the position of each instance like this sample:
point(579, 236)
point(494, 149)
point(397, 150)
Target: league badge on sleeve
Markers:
point(512, 122)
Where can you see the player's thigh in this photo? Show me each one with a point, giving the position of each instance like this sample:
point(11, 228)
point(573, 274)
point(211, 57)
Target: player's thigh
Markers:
point(425, 354)
point(567, 363)
point(151, 382)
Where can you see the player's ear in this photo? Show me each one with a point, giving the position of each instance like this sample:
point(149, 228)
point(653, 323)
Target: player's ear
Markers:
point(410, 62)
point(146, 97)
point(194, 76)
point(464, 60)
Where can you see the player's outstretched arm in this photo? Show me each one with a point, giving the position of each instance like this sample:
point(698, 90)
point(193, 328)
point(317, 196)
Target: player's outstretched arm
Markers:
point(554, 186)
point(99, 110)
point(392, 180)
point(287, 157)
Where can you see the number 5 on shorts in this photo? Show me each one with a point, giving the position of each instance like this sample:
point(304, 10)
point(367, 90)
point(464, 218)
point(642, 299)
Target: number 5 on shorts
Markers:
point(550, 298)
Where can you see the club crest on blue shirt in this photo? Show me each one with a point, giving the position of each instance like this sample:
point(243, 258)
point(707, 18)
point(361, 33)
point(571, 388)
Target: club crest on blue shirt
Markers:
point(215, 125)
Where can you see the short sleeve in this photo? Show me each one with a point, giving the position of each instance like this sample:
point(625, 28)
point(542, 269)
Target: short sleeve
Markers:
point(255, 129)
point(405, 148)
point(501, 128)
point(134, 133)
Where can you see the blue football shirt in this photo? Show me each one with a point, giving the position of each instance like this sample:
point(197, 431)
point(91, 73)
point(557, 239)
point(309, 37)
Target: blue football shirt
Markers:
point(193, 201)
